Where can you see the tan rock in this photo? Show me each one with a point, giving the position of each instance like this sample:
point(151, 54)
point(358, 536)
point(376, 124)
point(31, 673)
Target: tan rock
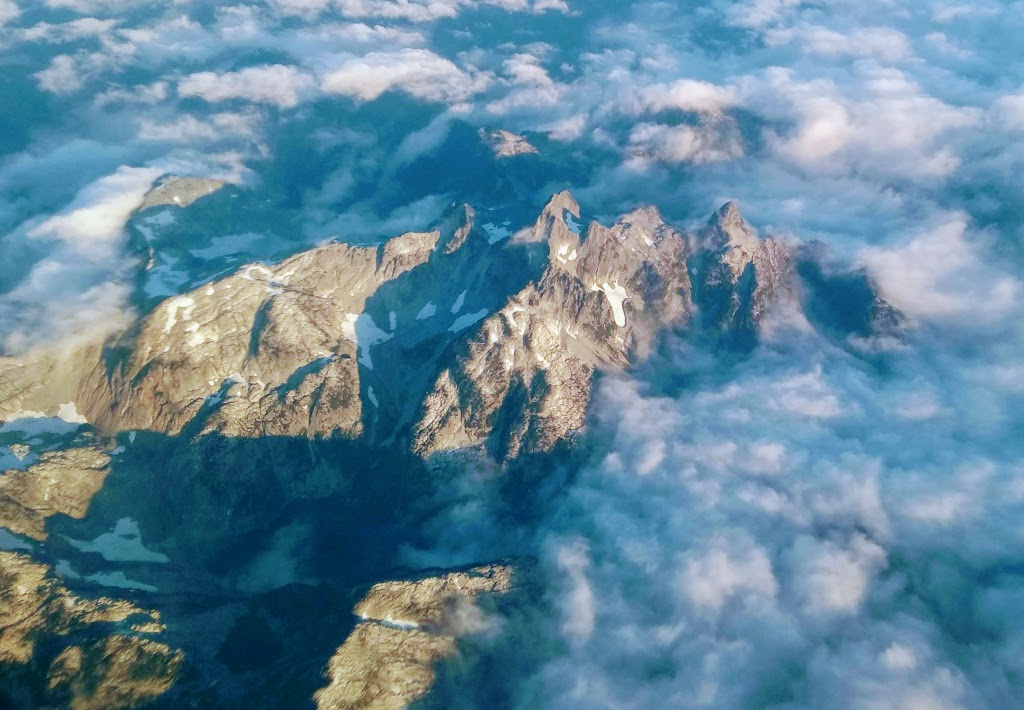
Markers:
point(111, 671)
point(268, 351)
point(117, 672)
point(506, 144)
point(525, 383)
point(389, 660)
point(62, 481)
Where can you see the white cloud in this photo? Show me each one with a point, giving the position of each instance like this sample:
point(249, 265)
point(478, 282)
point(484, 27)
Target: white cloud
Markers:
point(713, 140)
point(573, 561)
point(8, 11)
point(154, 93)
point(78, 288)
point(87, 7)
point(94, 221)
point(417, 72)
point(941, 275)
point(277, 84)
point(192, 129)
point(409, 10)
point(1008, 111)
point(61, 77)
point(67, 31)
point(531, 87)
point(884, 43)
point(890, 127)
point(834, 578)
point(755, 14)
point(725, 577)
point(688, 95)
point(723, 571)
point(68, 73)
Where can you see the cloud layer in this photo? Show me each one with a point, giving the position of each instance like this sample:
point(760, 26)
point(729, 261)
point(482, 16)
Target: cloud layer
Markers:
point(799, 530)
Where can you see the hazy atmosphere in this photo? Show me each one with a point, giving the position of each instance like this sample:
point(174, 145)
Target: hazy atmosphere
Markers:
point(774, 460)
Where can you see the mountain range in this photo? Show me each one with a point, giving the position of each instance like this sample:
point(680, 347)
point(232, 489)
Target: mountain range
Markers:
point(250, 456)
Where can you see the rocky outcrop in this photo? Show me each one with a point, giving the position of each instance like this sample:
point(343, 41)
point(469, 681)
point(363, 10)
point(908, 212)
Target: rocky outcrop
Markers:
point(45, 378)
point(101, 657)
point(268, 351)
point(506, 144)
point(116, 672)
point(525, 382)
point(739, 277)
point(62, 481)
point(180, 191)
point(407, 627)
point(844, 303)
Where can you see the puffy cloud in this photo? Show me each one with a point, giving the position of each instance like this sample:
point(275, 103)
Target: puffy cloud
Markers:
point(8, 11)
point(884, 43)
point(417, 72)
point(755, 14)
point(61, 77)
point(573, 560)
point(277, 84)
point(940, 274)
point(1008, 111)
point(410, 10)
point(890, 126)
point(92, 7)
point(68, 73)
point(688, 95)
point(79, 287)
point(67, 31)
point(146, 94)
point(716, 575)
point(834, 578)
point(191, 129)
point(531, 86)
point(714, 139)
point(825, 554)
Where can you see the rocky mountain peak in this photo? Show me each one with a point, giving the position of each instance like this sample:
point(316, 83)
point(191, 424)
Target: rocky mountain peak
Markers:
point(179, 191)
point(455, 226)
point(729, 235)
point(647, 218)
point(506, 144)
point(559, 225)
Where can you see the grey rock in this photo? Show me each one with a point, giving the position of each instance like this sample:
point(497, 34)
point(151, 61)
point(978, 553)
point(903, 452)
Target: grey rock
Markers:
point(506, 144)
point(180, 191)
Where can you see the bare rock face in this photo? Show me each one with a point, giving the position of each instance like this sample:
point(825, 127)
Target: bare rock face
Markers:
point(44, 378)
point(288, 349)
point(267, 351)
point(525, 382)
point(62, 481)
point(739, 277)
point(506, 144)
point(179, 191)
point(382, 668)
point(389, 660)
point(424, 603)
point(842, 302)
point(106, 662)
point(117, 672)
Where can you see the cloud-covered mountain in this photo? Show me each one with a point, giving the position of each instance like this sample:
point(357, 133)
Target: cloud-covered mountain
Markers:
point(366, 352)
